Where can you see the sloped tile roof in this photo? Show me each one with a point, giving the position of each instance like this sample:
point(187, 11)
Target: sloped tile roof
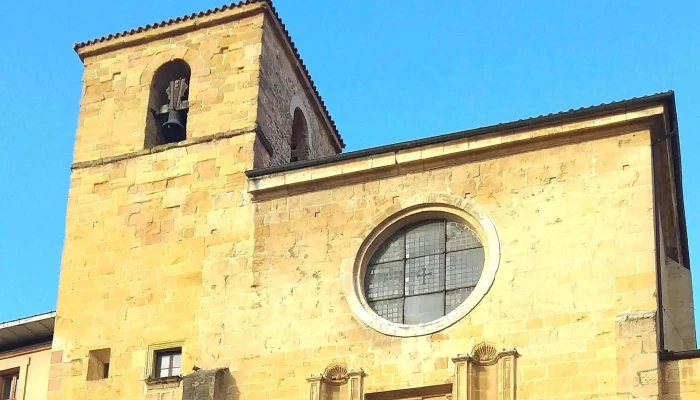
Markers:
point(26, 331)
point(557, 117)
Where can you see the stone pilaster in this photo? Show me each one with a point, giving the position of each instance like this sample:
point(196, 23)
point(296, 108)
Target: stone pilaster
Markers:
point(336, 379)
point(486, 373)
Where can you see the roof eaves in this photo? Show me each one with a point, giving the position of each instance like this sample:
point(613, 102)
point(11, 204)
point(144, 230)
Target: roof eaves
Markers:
point(678, 177)
point(168, 22)
point(667, 97)
point(26, 320)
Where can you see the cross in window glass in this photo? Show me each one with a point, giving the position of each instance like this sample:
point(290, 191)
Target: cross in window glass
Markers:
point(168, 363)
point(423, 274)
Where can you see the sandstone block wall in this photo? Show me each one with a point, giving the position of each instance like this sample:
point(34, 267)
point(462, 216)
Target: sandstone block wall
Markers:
point(153, 247)
point(170, 246)
point(577, 242)
point(680, 380)
point(155, 241)
point(637, 355)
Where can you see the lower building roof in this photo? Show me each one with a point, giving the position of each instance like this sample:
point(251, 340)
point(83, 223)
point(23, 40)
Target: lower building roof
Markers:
point(27, 331)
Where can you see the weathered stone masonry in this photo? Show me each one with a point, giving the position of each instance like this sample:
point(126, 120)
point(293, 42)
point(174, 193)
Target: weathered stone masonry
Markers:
point(217, 244)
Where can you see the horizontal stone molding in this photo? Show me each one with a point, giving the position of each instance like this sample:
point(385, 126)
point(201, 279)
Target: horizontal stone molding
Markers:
point(635, 316)
point(164, 147)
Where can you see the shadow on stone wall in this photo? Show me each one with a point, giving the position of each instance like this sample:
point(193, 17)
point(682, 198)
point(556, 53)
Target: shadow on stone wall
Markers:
point(211, 384)
point(670, 382)
point(232, 391)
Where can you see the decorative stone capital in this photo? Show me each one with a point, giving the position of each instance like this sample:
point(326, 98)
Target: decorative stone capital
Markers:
point(493, 370)
point(335, 381)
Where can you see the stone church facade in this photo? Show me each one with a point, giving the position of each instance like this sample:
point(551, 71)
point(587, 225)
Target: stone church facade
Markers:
point(219, 244)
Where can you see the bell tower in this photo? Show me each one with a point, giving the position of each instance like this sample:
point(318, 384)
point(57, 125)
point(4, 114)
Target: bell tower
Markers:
point(227, 71)
point(159, 225)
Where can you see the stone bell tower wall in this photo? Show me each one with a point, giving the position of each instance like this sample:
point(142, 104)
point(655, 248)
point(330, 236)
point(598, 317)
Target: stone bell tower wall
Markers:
point(225, 62)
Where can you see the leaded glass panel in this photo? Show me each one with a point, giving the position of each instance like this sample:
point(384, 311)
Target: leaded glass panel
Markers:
point(385, 280)
point(460, 237)
point(390, 310)
point(423, 271)
point(454, 298)
point(391, 250)
point(457, 275)
point(425, 238)
point(425, 274)
point(424, 308)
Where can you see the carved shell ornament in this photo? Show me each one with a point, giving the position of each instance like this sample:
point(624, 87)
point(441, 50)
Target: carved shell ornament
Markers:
point(485, 352)
point(336, 374)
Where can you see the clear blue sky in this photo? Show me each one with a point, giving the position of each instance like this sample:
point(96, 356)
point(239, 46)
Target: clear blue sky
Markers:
point(388, 70)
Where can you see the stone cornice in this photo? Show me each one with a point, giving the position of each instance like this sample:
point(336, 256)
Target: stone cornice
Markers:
point(166, 29)
point(468, 149)
point(164, 147)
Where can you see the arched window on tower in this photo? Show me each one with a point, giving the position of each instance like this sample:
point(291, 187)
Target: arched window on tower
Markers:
point(168, 104)
point(300, 137)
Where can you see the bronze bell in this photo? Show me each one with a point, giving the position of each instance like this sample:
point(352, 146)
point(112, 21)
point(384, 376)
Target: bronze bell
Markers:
point(173, 129)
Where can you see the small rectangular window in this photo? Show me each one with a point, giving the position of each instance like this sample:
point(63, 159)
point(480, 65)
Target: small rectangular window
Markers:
point(98, 364)
point(168, 362)
point(8, 384)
